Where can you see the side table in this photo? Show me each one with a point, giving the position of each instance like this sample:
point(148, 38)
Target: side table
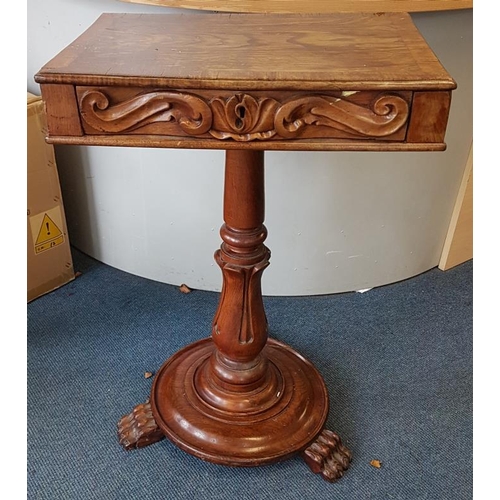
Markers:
point(246, 84)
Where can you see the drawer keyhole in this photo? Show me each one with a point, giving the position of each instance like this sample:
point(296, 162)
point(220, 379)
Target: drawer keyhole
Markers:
point(240, 115)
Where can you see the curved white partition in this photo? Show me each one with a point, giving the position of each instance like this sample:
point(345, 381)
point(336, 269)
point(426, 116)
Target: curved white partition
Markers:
point(337, 221)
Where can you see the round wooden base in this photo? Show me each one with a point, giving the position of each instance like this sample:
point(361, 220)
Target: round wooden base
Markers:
point(253, 436)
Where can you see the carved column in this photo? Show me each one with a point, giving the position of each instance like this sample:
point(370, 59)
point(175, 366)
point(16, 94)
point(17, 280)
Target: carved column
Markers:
point(239, 329)
point(239, 397)
point(240, 324)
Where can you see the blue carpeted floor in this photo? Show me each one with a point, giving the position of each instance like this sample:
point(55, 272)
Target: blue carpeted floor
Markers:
point(397, 361)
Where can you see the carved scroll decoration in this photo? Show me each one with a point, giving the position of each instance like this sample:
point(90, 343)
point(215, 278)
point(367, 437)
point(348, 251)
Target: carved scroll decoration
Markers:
point(386, 116)
point(191, 112)
point(245, 118)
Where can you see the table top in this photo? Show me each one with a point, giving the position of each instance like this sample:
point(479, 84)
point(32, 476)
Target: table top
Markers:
point(251, 51)
point(234, 81)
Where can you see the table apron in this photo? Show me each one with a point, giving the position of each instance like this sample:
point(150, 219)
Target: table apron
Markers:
point(227, 119)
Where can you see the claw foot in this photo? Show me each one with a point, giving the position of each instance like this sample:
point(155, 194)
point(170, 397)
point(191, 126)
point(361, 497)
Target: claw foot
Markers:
point(138, 429)
point(328, 456)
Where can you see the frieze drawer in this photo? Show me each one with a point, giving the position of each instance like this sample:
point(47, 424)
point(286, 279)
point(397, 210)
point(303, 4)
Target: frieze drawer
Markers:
point(380, 119)
point(240, 116)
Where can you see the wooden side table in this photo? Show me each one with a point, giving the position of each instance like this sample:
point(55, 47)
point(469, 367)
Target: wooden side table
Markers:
point(246, 84)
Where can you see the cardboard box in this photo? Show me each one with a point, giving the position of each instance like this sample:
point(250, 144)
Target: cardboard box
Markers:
point(50, 264)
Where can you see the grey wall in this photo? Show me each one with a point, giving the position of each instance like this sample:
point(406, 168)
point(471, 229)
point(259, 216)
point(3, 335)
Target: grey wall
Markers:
point(337, 221)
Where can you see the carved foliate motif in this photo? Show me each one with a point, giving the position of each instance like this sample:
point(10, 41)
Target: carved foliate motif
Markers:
point(190, 112)
point(243, 117)
point(243, 257)
point(247, 280)
point(385, 116)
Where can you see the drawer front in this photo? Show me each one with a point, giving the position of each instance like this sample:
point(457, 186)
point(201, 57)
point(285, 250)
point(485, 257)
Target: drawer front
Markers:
point(244, 116)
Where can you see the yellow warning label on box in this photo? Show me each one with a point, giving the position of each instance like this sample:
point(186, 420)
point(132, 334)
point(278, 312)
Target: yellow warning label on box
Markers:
point(46, 230)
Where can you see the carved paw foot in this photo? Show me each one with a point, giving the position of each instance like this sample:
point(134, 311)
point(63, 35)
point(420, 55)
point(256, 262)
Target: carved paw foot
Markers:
point(328, 456)
point(138, 429)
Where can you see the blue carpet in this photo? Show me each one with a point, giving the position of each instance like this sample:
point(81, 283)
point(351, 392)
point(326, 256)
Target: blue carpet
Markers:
point(397, 361)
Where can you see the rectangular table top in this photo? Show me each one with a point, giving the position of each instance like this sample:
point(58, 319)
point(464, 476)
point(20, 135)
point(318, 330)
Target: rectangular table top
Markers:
point(251, 51)
point(258, 81)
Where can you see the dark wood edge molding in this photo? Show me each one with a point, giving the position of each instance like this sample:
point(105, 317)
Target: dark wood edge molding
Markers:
point(242, 85)
point(298, 145)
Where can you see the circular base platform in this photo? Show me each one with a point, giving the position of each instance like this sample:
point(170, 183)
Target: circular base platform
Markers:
point(274, 432)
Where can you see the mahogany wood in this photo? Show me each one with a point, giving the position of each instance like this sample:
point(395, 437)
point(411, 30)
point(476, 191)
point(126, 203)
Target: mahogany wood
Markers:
point(235, 425)
point(328, 456)
point(282, 79)
point(158, 141)
point(245, 117)
point(251, 52)
point(240, 399)
point(61, 110)
point(246, 83)
point(138, 428)
point(429, 116)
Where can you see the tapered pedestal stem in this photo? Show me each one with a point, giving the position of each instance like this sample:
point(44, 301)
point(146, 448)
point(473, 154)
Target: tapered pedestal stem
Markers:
point(239, 398)
point(238, 378)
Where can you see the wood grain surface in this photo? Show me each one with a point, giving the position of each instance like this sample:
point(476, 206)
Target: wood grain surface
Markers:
point(159, 141)
point(430, 112)
point(299, 82)
point(308, 6)
point(61, 110)
point(246, 51)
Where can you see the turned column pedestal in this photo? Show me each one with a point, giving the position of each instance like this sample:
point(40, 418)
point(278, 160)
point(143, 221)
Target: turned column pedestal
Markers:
point(240, 398)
